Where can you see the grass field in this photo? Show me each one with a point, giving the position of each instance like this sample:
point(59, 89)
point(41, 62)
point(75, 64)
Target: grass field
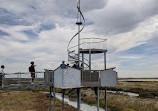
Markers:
point(147, 101)
point(118, 102)
point(31, 99)
point(139, 79)
point(28, 101)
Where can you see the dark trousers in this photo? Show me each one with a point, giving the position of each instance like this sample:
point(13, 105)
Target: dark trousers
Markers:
point(0, 80)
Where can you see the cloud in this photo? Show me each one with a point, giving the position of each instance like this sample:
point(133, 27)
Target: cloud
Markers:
point(15, 31)
point(122, 16)
point(40, 30)
point(130, 57)
point(48, 50)
point(138, 36)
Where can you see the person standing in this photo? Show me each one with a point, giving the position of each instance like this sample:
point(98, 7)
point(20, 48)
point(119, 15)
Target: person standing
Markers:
point(1, 74)
point(32, 71)
point(63, 65)
point(76, 65)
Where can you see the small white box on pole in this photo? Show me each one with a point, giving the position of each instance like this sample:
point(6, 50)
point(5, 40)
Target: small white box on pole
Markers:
point(108, 78)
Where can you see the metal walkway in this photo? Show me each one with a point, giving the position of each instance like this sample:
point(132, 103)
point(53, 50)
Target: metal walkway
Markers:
point(12, 81)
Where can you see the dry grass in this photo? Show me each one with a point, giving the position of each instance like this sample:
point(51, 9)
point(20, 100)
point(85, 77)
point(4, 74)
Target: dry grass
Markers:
point(122, 103)
point(27, 101)
point(138, 80)
point(152, 86)
point(126, 103)
point(118, 102)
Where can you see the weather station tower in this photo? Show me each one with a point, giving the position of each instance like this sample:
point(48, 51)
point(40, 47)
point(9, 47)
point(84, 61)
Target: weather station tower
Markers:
point(80, 51)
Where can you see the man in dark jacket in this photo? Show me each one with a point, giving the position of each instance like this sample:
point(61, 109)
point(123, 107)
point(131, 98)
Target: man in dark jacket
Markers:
point(32, 71)
point(1, 74)
point(76, 65)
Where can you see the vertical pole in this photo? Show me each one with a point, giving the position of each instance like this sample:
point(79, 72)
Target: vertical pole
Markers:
point(17, 78)
point(83, 61)
point(82, 67)
point(36, 77)
point(79, 38)
point(20, 78)
point(78, 44)
point(53, 99)
point(105, 100)
point(63, 92)
point(50, 91)
point(105, 87)
point(79, 99)
point(90, 64)
point(97, 98)
point(90, 60)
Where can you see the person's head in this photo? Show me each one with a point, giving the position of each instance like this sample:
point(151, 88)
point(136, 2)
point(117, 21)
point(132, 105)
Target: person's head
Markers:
point(32, 63)
point(63, 61)
point(2, 66)
point(76, 62)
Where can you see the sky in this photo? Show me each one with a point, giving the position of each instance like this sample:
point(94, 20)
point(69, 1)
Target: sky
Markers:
point(39, 31)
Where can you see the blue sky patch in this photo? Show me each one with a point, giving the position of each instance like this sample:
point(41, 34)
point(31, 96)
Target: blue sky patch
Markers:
point(89, 23)
point(144, 49)
point(30, 34)
point(138, 49)
point(4, 33)
point(9, 18)
point(46, 27)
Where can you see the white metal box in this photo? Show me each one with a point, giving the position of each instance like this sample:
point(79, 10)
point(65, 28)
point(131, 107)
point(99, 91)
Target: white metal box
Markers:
point(108, 78)
point(48, 77)
point(67, 78)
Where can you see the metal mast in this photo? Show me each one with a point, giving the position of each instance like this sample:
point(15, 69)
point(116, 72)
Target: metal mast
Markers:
point(79, 23)
point(73, 53)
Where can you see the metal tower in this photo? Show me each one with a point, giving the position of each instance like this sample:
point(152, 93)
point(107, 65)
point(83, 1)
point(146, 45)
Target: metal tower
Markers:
point(84, 46)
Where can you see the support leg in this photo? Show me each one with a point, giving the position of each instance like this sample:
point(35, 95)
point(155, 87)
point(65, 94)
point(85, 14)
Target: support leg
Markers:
point(63, 92)
point(53, 99)
point(105, 100)
point(96, 90)
point(79, 99)
point(50, 94)
point(97, 98)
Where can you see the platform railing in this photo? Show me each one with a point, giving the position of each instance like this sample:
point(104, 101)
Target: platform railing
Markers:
point(93, 43)
point(88, 43)
point(21, 78)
